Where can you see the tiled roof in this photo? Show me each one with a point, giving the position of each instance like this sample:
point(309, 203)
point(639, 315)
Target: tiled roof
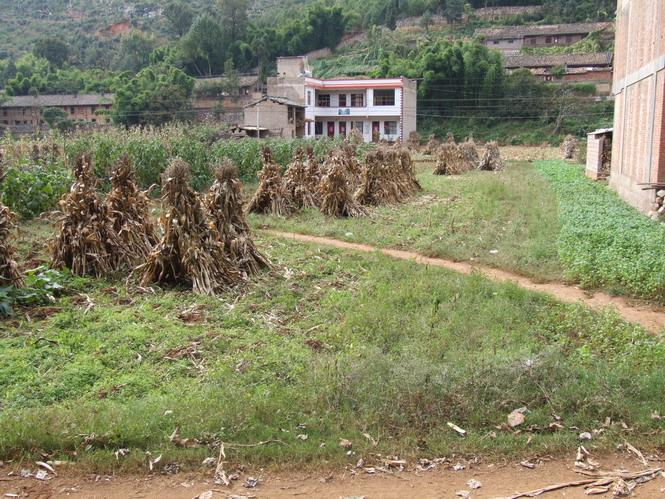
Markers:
point(539, 61)
point(58, 100)
point(279, 100)
point(540, 30)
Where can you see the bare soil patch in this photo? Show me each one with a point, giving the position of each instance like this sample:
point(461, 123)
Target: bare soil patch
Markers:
point(496, 480)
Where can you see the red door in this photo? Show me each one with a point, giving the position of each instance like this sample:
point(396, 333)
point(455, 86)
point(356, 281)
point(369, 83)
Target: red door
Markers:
point(376, 130)
point(342, 128)
point(331, 129)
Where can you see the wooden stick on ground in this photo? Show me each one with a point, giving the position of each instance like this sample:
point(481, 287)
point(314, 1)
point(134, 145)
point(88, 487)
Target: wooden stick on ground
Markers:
point(550, 488)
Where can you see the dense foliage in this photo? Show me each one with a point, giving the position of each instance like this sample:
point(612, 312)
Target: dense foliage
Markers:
point(603, 241)
point(34, 185)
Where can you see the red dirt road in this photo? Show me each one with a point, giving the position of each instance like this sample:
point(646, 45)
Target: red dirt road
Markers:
point(651, 319)
point(496, 481)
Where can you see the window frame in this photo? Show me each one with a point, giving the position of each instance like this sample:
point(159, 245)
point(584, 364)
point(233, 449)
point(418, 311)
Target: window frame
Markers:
point(354, 100)
point(381, 99)
point(321, 100)
point(387, 131)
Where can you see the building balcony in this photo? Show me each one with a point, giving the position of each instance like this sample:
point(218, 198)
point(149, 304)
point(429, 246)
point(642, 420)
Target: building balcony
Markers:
point(351, 112)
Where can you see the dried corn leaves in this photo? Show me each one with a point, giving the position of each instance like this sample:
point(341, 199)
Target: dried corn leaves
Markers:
point(224, 206)
point(188, 253)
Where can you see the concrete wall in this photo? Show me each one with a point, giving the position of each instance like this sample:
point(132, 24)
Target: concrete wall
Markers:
point(292, 67)
point(638, 153)
point(409, 108)
point(277, 118)
point(289, 88)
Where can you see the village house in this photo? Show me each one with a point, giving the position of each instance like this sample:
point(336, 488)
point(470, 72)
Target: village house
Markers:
point(384, 107)
point(512, 39)
point(638, 147)
point(593, 68)
point(23, 114)
point(373, 107)
point(274, 117)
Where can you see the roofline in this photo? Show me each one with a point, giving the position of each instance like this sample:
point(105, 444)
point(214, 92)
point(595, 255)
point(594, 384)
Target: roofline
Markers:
point(273, 98)
point(356, 83)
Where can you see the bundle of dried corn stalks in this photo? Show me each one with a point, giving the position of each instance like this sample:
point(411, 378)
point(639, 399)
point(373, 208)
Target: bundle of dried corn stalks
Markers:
point(87, 243)
point(127, 208)
point(450, 160)
point(413, 142)
point(334, 191)
point(224, 207)
point(469, 152)
point(271, 197)
point(432, 145)
point(9, 272)
point(569, 147)
point(188, 253)
point(387, 177)
point(299, 186)
point(491, 159)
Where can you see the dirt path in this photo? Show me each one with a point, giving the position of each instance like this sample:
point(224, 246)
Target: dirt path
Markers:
point(650, 319)
point(495, 480)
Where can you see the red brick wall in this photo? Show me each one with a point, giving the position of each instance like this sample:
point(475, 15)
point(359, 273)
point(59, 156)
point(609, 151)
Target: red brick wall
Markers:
point(638, 153)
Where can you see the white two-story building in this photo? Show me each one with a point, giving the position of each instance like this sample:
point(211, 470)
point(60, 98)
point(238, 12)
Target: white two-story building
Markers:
point(336, 107)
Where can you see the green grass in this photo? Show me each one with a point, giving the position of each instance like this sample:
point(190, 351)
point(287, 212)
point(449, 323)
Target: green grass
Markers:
point(339, 343)
point(462, 217)
point(604, 243)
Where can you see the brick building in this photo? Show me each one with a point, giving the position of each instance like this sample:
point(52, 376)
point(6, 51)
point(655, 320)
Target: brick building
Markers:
point(211, 102)
point(588, 68)
point(512, 39)
point(638, 146)
point(274, 117)
point(23, 114)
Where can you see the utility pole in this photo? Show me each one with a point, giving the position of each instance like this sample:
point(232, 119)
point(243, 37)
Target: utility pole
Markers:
point(258, 132)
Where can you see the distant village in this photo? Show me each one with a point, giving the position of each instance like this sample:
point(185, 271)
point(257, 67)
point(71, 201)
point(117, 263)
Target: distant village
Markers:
point(293, 103)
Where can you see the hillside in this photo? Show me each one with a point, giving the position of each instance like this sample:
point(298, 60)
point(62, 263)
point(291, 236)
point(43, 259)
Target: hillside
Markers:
point(85, 22)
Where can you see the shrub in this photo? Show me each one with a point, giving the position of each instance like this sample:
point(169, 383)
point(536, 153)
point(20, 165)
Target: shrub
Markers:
point(604, 242)
point(32, 189)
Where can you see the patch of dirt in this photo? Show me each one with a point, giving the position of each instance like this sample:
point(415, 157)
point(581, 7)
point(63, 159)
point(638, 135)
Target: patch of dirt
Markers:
point(529, 153)
point(651, 319)
point(494, 480)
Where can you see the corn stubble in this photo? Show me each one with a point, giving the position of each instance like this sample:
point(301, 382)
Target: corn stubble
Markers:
point(299, 187)
point(86, 243)
point(9, 271)
point(491, 158)
point(334, 192)
point(189, 252)
point(224, 207)
point(271, 197)
point(128, 210)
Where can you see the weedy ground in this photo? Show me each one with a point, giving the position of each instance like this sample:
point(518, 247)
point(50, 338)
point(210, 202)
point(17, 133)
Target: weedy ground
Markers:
point(329, 345)
point(544, 220)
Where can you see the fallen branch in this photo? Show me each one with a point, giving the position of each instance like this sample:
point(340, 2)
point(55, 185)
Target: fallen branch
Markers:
point(550, 488)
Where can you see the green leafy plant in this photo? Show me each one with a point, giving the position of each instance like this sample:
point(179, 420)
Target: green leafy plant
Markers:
point(42, 286)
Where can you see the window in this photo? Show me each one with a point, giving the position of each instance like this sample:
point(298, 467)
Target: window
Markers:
point(357, 125)
point(318, 128)
point(556, 39)
point(93, 109)
point(17, 122)
point(511, 41)
point(342, 128)
point(532, 41)
point(323, 100)
point(384, 97)
point(309, 98)
point(309, 128)
point(342, 100)
point(94, 120)
point(548, 39)
point(569, 39)
point(357, 100)
point(5, 122)
point(495, 42)
point(4, 112)
point(390, 128)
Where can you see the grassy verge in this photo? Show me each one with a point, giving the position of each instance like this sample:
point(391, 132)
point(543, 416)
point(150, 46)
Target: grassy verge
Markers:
point(605, 243)
point(331, 345)
point(465, 217)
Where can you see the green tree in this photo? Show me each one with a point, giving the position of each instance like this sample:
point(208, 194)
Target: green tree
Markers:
point(134, 52)
point(57, 119)
point(232, 82)
point(179, 16)
point(53, 50)
point(453, 10)
point(202, 48)
point(233, 14)
point(156, 95)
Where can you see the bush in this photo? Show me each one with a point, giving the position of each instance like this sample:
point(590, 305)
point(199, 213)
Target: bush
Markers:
point(604, 242)
point(32, 189)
